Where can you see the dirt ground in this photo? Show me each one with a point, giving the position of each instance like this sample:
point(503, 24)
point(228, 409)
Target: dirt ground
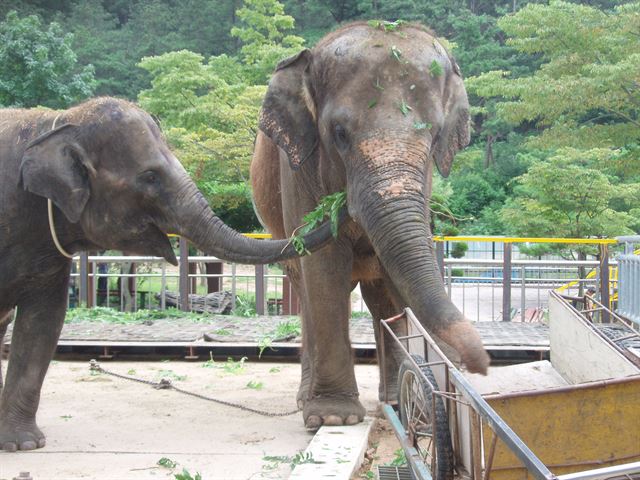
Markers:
point(101, 427)
point(384, 449)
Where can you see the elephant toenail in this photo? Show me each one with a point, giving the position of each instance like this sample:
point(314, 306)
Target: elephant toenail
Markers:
point(9, 447)
point(314, 422)
point(42, 442)
point(28, 445)
point(333, 420)
point(352, 420)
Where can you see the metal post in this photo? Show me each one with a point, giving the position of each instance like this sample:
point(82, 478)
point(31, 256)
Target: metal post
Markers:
point(214, 284)
point(506, 283)
point(233, 286)
point(163, 287)
point(94, 284)
point(184, 275)
point(290, 303)
point(84, 280)
point(260, 289)
point(523, 293)
point(604, 280)
point(440, 257)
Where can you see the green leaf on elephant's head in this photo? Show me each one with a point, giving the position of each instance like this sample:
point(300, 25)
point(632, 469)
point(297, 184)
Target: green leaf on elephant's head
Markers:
point(395, 52)
point(421, 125)
point(435, 69)
point(404, 108)
point(372, 103)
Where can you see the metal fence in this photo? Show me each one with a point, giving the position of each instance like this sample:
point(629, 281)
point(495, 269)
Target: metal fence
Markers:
point(629, 279)
point(503, 289)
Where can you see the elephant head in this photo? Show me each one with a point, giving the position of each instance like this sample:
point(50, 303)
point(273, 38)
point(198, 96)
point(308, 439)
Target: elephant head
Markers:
point(371, 111)
point(107, 167)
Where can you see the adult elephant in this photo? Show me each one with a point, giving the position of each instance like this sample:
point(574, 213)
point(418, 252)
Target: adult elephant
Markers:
point(367, 111)
point(115, 185)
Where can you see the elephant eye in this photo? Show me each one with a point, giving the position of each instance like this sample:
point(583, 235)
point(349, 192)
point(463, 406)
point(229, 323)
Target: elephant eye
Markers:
point(149, 177)
point(340, 136)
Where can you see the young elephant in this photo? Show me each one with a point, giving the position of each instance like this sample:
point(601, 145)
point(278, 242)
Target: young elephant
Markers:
point(368, 111)
point(115, 185)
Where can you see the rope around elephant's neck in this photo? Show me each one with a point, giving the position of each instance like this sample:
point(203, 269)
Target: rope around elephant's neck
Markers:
point(52, 227)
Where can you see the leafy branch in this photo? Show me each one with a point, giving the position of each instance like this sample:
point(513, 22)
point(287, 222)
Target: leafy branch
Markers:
point(329, 207)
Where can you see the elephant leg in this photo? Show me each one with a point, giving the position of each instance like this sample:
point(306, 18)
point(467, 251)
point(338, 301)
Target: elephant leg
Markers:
point(332, 395)
point(382, 304)
point(35, 335)
point(5, 319)
point(305, 375)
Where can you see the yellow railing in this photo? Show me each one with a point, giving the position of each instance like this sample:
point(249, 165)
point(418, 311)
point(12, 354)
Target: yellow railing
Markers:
point(440, 238)
point(575, 241)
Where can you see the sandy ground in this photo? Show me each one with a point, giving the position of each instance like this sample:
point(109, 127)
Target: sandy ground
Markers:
point(100, 427)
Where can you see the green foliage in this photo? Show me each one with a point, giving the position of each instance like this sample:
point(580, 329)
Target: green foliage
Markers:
point(568, 195)
point(167, 463)
point(299, 458)
point(109, 315)
point(328, 207)
point(585, 94)
point(399, 459)
point(262, 30)
point(255, 385)
point(234, 367)
point(39, 67)
point(458, 249)
point(209, 109)
point(186, 475)
point(245, 305)
point(211, 125)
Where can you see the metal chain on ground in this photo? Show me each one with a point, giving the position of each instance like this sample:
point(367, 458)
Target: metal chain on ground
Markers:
point(165, 384)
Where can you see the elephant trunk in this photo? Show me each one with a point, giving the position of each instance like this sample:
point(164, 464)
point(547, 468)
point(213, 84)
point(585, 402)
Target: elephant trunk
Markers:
point(393, 211)
point(198, 223)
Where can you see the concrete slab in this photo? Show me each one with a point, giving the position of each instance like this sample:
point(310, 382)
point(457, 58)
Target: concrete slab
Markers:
point(100, 427)
point(334, 452)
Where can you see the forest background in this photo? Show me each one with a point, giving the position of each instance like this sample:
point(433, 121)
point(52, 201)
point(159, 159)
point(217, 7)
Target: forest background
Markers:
point(554, 88)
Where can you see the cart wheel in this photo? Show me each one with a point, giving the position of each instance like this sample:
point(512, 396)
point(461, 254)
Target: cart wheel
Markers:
point(417, 417)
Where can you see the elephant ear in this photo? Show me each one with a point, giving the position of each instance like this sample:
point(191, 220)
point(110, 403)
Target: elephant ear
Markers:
point(55, 166)
point(288, 111)
point(454, 134)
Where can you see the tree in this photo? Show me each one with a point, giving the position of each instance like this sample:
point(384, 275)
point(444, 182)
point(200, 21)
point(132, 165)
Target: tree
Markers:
point(581, 109)
point(262, 30)
point(95, 36)
point(569, 196)
point(586, 93)
point(39, 66)
point(211, 122)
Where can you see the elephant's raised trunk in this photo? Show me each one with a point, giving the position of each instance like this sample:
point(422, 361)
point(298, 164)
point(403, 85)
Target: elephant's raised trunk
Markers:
point(393, 211)
point(197, 222)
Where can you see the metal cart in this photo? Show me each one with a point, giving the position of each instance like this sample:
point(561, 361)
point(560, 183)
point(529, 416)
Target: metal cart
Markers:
point(576, 416)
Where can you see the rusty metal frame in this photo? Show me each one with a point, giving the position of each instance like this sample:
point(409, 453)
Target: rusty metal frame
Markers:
point(459, 388)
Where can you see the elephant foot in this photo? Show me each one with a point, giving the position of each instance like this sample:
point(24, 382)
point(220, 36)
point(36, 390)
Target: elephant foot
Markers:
point(332, 410)
point(303, 395)
point(23, 437)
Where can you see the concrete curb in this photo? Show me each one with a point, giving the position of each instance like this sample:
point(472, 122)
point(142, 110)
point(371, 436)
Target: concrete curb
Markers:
point(334, 452)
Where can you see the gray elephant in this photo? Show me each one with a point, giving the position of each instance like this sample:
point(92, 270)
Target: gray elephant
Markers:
point(368, 110)
point(114, 184)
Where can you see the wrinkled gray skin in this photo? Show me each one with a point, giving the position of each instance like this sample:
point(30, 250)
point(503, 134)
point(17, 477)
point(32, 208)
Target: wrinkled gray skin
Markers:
point(115, 185)
point(320, 133)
